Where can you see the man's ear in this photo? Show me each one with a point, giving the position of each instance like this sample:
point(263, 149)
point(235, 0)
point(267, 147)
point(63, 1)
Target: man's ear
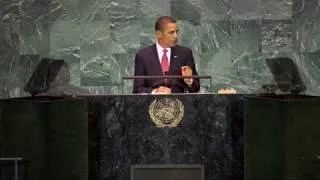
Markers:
point(158, 33)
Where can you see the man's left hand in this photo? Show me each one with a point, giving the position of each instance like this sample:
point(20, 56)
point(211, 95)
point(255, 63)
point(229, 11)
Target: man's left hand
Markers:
point(187, 71)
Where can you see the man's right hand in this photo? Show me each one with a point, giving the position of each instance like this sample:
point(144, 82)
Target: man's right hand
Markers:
point(162, 90)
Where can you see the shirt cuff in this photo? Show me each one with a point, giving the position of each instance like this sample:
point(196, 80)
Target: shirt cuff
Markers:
point(188, 81)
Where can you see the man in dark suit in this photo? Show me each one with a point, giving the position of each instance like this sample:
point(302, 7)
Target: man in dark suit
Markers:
point(165, 57)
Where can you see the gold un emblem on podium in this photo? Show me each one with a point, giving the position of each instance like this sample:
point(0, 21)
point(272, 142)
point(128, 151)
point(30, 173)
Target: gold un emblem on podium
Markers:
point(166, 112)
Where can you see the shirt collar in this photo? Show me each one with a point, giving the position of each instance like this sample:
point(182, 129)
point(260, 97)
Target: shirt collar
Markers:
point(160, 49)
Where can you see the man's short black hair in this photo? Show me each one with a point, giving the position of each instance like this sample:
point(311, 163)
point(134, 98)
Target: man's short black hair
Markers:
point(162, 21)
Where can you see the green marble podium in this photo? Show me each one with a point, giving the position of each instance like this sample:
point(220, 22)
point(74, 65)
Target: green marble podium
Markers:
point(209, 135)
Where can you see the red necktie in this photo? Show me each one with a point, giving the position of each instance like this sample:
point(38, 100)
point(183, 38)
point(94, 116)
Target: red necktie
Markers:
point(164, 62)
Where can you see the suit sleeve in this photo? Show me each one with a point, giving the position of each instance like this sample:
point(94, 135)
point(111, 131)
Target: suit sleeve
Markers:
point(195, 87)
point(140, 85)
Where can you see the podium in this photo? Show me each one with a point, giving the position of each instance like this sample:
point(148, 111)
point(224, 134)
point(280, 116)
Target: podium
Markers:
point(209, 134)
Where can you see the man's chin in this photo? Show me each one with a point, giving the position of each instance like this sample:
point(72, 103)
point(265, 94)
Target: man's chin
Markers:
point(173, 45)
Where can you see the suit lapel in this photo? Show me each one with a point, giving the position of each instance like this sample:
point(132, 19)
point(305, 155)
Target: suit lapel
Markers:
point(155, 61)
point(173, 60)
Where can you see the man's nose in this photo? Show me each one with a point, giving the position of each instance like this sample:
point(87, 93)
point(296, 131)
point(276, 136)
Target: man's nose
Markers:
point(175, 34)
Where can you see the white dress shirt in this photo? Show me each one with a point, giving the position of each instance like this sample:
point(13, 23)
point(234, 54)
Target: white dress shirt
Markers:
point(160, 52)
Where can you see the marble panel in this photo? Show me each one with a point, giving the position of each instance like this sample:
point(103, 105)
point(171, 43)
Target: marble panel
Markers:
point(246, 9)
point(276, 9)
point(277, 35)
point(191, 10)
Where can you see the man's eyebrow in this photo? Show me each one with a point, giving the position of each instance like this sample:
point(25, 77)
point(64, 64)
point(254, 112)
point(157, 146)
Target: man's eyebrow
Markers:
point(174, 31)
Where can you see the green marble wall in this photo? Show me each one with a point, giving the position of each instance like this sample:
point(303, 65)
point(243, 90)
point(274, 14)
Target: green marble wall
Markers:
point(99, 38)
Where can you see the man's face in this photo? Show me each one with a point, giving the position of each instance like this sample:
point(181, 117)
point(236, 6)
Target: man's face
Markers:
point(169, 36)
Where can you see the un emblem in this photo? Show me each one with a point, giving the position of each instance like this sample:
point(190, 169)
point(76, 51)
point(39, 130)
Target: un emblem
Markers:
point(166, 112)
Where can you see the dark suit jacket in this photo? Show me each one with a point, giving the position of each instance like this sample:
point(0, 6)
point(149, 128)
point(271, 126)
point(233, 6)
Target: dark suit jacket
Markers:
point(147, 63)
